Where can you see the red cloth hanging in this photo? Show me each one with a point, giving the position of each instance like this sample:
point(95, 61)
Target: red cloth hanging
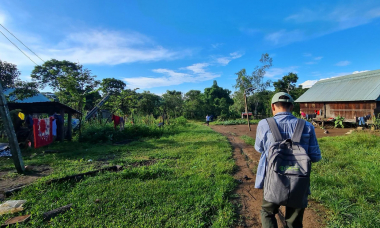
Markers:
point(116, 120)
point(43, 132)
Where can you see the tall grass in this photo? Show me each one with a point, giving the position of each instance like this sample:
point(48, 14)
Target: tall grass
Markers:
point(347, 179)
point(142, 126)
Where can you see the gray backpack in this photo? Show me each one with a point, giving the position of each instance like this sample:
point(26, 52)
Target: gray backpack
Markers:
point(287, 178)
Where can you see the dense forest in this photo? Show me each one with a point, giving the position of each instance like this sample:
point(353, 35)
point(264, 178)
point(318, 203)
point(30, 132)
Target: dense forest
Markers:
point(77, 87)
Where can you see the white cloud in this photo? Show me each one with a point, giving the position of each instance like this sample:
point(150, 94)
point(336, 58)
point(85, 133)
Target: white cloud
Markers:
point(225, 60)
point(94, 47)
point(343, 63)
point(2, 18)
point(274, 72)
point(330, 19)
point(339, 17)
point(283, 36)
point(216, 45)
point(198, 68)
point(315, 59)
point(195, 73)
point(308, 83)
point(357, 71)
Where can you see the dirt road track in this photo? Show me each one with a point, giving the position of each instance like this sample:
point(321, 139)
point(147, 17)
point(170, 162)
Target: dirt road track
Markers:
point(250, 199)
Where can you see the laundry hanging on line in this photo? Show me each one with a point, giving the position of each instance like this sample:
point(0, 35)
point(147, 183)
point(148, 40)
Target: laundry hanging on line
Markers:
point(43, 132)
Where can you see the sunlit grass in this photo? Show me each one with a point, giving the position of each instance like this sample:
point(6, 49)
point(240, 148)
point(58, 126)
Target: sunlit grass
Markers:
point(188, 185)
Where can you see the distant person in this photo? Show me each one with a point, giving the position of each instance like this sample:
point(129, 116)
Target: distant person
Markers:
point(208, 119)
point(270, 137)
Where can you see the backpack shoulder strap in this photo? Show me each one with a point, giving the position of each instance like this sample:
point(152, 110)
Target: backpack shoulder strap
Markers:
point(298, 131)
point(274, 129)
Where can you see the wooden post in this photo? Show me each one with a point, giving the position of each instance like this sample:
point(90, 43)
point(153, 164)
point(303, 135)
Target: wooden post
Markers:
point(246, 110)
point(62, 129)
point(8, 125)
point(69, 127)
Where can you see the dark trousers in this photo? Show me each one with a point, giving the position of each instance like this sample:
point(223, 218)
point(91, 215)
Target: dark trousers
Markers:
point(293, 216)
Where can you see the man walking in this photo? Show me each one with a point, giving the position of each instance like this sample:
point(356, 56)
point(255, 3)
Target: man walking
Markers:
point(267, 142)
point(208, 119)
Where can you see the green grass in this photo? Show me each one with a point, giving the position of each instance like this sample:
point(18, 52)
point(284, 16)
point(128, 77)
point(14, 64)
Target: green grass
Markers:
point(347, 180)
point(234, 122)
point(248, 140)
point(188, 186)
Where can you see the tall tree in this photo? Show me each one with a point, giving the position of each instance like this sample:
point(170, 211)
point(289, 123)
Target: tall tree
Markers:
point(255, 80)
point(9, 77)
point(194, 104)
point(72, 81)
point(9, 74)
point(112, 86)
point(174, 102)
point(214, 102)
point(148, 103)
point(287, 83)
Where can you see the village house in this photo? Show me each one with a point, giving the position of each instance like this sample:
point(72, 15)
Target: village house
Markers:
point(353, 97)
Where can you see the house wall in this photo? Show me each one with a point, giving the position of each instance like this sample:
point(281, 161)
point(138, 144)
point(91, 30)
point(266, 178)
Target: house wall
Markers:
point(349, 110)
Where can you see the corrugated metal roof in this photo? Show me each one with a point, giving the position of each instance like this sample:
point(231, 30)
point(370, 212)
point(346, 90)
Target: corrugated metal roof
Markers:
point(354, 87)
point(38, 98)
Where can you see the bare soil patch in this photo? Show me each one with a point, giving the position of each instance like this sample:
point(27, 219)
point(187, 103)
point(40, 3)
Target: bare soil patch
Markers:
point(10, 179)
point(250, 198)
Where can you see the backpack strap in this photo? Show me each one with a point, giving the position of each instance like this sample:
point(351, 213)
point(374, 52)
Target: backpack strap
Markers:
point(274, 129)
point(298, 131)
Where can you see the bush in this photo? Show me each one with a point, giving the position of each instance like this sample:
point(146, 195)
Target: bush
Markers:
point(180, 121)
point(105, 133)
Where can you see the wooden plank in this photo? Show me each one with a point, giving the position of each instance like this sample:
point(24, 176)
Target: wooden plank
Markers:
point(8, 125)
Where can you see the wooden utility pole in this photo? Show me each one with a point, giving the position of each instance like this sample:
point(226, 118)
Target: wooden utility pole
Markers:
point(246, 110)
point(8, 125)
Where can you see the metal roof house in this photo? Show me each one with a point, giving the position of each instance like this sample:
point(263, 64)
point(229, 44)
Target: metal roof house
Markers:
point(41, 104)
point(350, 96)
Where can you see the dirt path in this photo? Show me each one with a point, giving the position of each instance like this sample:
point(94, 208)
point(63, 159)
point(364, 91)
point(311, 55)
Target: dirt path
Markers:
point(250, 199)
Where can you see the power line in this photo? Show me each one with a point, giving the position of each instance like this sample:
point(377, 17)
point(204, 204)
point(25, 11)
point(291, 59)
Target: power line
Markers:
point(22, 42)
point(18, 48)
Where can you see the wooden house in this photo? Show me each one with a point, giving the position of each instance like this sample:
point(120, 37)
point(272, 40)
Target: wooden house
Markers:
point(351, 96)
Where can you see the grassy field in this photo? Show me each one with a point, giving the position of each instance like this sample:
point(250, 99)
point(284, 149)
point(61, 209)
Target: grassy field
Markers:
point(347, 179)
point(234, 122)
point(187, 184)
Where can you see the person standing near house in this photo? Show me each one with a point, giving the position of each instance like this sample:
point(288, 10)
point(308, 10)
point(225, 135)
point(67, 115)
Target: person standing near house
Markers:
point(282, 106)
point(207, 119)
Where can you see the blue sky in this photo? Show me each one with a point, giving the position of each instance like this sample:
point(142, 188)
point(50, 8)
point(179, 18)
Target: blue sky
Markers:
point(183, 45)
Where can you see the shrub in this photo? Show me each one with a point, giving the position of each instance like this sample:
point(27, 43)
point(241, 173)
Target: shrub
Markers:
point(105, 133)
point(339, 121)
point(180, 121)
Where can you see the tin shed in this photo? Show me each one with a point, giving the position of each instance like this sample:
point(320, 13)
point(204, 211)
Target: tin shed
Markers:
point(350, 96)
